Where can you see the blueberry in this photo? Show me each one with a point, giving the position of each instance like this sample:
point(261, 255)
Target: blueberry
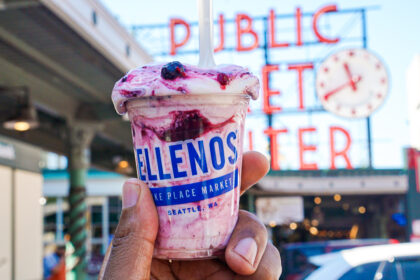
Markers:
point(172, 70)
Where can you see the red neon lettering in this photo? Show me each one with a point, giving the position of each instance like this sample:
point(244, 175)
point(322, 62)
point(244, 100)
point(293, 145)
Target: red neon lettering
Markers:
point(272, 133)
point(344, 152)
point(172, 24)
point(321, 38)
point(412, 163)
point(273, 43)
point(267, 92)
point(300, 68)
point(222, 33)
point(247, 30)
point(304, 148)
point(411, 157)
point(250, 140)
point(298, 27)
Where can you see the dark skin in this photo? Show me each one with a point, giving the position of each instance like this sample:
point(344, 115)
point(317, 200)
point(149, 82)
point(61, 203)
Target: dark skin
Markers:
point(130, 255)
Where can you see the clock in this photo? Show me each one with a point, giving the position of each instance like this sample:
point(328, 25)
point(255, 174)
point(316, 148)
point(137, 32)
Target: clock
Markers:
point(352, 83)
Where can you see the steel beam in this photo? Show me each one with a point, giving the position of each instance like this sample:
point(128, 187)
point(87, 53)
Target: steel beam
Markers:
point(18, 4)
point(42, 59)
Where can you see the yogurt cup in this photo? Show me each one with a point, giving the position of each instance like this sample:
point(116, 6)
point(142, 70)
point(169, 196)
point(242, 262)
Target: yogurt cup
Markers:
point(189, 151)
point(187, 127)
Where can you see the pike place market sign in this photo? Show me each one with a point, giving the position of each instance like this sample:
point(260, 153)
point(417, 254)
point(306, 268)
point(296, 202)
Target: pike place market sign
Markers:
point(344, 80)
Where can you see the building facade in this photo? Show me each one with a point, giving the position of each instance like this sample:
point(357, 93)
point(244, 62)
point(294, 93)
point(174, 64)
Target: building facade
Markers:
point(21, 217)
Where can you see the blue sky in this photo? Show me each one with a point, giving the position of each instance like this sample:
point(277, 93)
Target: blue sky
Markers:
point(392, 35)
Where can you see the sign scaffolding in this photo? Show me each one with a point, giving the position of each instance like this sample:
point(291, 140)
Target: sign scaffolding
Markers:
point(289, 96)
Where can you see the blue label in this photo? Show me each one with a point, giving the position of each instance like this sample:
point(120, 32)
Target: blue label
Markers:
point(187, 158)
point(166, 196)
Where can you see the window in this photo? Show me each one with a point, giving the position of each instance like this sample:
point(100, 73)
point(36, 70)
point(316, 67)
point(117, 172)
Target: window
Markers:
point(298, 259)
point(94, 18)
point(390, 272)
point(410, 267)
point(365, 272)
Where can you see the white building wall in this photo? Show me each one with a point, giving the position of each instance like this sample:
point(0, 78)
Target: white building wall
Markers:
point(413, 92)
point(6, 223)
point(28, 225)
point(21, 223)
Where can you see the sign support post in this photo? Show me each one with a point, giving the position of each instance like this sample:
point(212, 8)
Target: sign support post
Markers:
point(413, 194)
point(369, 137)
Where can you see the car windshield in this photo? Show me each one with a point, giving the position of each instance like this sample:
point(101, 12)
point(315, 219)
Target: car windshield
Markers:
point(365, 271)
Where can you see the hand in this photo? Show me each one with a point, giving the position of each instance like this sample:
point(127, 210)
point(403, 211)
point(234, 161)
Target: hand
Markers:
point(247, 256)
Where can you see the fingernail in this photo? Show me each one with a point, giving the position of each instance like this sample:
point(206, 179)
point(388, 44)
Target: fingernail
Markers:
point(130, 194)
point(247, 249)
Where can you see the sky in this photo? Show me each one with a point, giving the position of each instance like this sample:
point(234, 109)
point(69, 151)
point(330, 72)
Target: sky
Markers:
point(392, 28)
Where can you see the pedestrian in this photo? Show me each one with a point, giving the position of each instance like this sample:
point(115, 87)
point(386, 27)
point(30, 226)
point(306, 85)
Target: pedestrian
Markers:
point(55, 264)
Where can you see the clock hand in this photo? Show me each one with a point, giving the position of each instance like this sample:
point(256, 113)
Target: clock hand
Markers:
point(355, 80)
point(334, 91)
point(349, 76)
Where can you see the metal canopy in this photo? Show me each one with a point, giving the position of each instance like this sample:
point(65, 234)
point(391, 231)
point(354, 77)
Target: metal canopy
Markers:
point(329, 182)
point(70, 79)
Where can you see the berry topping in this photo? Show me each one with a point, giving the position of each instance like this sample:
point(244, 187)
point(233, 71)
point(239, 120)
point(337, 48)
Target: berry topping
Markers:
point(223, 79)
point(172, 70)
point(131, 93)
point(181, 89)
point(125, 92)
point(127, 78)
point(186, 125)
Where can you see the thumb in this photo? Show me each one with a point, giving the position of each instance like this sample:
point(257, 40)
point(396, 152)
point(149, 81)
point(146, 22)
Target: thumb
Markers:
point(133, 243)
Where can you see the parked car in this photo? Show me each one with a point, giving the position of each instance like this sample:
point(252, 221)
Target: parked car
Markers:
point(381, 262)
point(295, 255)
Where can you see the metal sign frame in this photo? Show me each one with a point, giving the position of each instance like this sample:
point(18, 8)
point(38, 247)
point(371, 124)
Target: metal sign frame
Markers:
point(362, 41)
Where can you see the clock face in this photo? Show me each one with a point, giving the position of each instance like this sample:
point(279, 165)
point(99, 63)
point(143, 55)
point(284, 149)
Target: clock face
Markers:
point(352, 83)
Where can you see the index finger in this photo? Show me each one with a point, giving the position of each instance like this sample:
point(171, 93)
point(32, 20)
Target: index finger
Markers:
point(254, 166)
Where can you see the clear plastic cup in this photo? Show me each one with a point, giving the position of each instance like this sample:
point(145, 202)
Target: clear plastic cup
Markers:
point(188, 150)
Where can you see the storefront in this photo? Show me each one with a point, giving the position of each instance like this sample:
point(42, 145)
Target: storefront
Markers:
point(334, 204)
point(103, 191)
